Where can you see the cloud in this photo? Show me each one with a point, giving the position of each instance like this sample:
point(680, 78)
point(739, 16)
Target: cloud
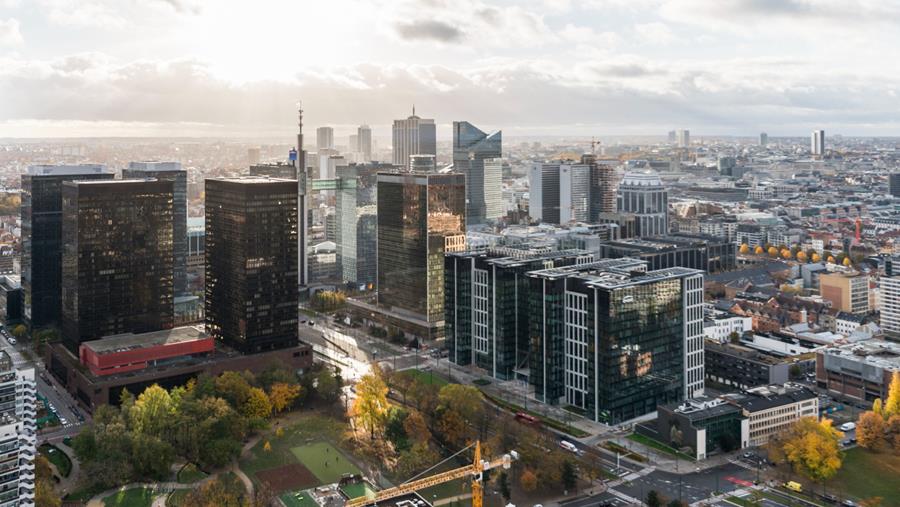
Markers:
point(85, 13)
point(654, 33)
point(726, 14)
point(619, 95)
point(428, 30)
point(183, 6)
point(10, 35)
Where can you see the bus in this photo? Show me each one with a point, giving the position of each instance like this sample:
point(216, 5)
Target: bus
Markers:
point(527, 419)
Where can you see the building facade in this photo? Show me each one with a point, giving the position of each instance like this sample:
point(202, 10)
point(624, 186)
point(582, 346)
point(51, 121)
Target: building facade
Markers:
point(174, 172)
point(742, 368)
point(643, 195)
point(817, 143)
point(848, 292)
point(420, 217)
point(118, 273)
point(773, 409)
point(364, 142)
point(413, 136)
point(859, 372)
point(486, 305)
point(696, 252)
point(604, 185)
point(471, 147)
point(18, 434)
point(42, 237)
point(251, 262)
point(615, 340)
point(324, 138)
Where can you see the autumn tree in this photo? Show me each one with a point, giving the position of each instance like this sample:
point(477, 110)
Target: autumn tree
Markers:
point(415, 427)
point(529, 481)
point(418, 457)
point(19, 331)
point(224, 491)
point(569, 476)
point(870, 431)
point(812, 448)
point(282, 395)
point(892, 403)
point(44, 496)
point(371, 405)
point(152, 412)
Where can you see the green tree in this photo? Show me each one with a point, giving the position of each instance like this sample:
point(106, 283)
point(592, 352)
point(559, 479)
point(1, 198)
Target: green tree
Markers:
point(233, 387)
point(395, 428)
point(151, 457)
point(676, 503)
point(328, 384)
point(653, 499)
point(257, 405)
point(418, 457)
point(569, 476)
point(153, 412)
point(503, 483)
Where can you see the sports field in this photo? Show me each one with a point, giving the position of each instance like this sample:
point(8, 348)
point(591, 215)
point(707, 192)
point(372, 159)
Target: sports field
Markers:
point(324, 461)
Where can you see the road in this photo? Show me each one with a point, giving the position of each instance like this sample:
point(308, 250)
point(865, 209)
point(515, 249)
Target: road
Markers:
point(691, 487)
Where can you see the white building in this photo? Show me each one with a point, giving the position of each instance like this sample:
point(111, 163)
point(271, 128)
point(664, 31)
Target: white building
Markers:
point(17, 434)
point(817, 141)
point(574, 193)
point(324, 138)
point(890, 306)
point(719, 329)
point(643, 194)
point(772, 409)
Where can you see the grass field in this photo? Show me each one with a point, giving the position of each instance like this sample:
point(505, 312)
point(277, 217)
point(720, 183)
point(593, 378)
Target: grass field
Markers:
point(58, 458)
point(308, 430)
point(176, 498)
point(357, 490)
point(291, 500)
point(190, 473)
point(659, 446)
point(324, 461)
point(136, 497)
point(426, 377)
point(866, 474)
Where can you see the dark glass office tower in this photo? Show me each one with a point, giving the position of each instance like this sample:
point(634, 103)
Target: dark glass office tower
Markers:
point(614, 340)
point(486, 304)
point(117, 258)
point(471, 147)
point(170, 171)
point(251, 262)
point(356, 225)
point(420, 216)
point(42, 237)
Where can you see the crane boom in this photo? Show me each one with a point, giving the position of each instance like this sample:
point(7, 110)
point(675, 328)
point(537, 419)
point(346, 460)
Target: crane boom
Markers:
point(474, 470)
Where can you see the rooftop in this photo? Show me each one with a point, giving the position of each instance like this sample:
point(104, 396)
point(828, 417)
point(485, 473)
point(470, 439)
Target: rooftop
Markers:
point(880, 353)
point(610, 274)
point(737, 350)
point(125, 342)
point(67, 170)
point(767, 397)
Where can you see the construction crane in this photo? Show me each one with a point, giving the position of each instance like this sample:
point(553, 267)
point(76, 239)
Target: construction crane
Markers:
point(475, 471)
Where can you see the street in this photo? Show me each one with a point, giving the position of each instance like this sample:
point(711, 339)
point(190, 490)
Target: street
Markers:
point(691, 487)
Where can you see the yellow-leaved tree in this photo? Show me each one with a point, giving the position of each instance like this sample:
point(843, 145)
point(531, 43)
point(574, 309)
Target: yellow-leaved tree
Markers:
point(812, 447)
point(870, 431)
point(371, 404)
point(892, 403)
point(282, 395)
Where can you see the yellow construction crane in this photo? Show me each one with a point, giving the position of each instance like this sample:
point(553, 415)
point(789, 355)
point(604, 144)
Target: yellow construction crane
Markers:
point(475, 471)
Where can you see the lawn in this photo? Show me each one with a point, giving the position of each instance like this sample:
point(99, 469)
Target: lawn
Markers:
point(189, 473)
point(324, 461)
point(426, 377)
point(310, 429)
point(177, 497)
point(357, 490)
point(659, 446)
point(304, 500)
point(865, 474)
point(58, 458)
point(135, 497)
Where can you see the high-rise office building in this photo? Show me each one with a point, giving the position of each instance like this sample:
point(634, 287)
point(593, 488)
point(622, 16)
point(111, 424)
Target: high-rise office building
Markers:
point(18, 433)
point(420, 217)
point(281, 170)
point(616, 340)
point(42, 237)
point(471, 147)
point(324, 138)
point(604, 183)
point(726, 165)
point(413, 136)
point(356, 225)
point(174, 172)
point(253, 156)
point(364, 142)
point(672, 137)
point(643, 195)
point(894, 184)
point(817, 142)
point(251, 262)
point(486, 304)
point(494, 207)
point(118, 272)
point(763, 139)
point(684, 138)
point(559, 192)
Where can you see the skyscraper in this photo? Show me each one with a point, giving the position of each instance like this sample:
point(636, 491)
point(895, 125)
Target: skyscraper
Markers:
point(174, 172)
point(894, 184)
point(684, 138)
point(324, 138)
point(471, 147)
point(364, 142)
point(420, 216)
point(615, 340)
point(559, 192)
point(604, 184)
point(251, 262)
point(817, 141)
point(643, 194)
point(413, 136)
point(42, 237)
point(356, 225)
point(763, 139)
point(117, 258)
point(494, 207)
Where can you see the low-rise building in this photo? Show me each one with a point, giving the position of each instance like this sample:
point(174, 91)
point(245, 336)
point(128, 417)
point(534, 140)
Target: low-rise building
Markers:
point(741, 367)
point(772, 409)
point(721, 328)
point(858, 371)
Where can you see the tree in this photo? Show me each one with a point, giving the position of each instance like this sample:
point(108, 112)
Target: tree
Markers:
point(257, 405)
point(892, 403)
point(150, 456)
point(371, 405)
point(233, 387)
point(877, 407)
point(415, 427)
point(653, 499)
point(395, 428)
point(812, 448)
point(676, 503)
point(19, 331)
point(267, 447)
point(846, 261)
point(529, 481)
point(875, 501)
point(503, 483)
point(44, 496)
point(745, 249)
point(786, 254)
point(279, 432)
point(773, 252)
point(569, 476)
point(870, 431)
point(816, 257)
point(224, 491)
point(416, 458)
point(282, 395)
point(328, 384)
point(152, 412)
point(794, 371)
point(801, 256)
point(758, 250)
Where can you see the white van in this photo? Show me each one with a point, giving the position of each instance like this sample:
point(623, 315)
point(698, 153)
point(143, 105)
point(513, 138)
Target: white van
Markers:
point(569, 446)
point(850, 426)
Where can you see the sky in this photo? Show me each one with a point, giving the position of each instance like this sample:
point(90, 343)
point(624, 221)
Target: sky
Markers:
point(83, 68)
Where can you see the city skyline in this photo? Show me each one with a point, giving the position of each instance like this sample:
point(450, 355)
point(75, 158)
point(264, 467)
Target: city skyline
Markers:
point(543, 67)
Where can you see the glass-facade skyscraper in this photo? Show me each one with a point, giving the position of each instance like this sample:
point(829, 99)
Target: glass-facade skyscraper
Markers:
point(251, 262)
point(420, 216)
point(117, 258)
point(173, 171)
point(356, 226)
point(42, 237)
point(471, 147)
point(614, 340)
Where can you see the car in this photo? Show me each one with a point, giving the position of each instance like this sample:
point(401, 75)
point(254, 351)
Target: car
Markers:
point(311, 323)
point(829, 498)
point(849, 426)
point(63, 421)
point(794, 486)
point(748, 455)
point(12, 341)
point(849, 503)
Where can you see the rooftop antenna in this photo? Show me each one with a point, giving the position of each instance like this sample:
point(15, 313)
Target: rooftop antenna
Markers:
point(414, 110)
